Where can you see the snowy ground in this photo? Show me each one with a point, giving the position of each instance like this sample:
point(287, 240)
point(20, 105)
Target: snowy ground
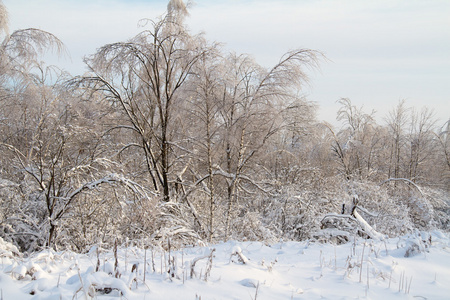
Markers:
point(291, 270)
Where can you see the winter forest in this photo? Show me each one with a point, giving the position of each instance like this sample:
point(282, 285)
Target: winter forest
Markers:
point(167, 141)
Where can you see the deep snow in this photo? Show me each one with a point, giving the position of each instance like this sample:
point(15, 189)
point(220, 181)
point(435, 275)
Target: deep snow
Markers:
point(363, 269)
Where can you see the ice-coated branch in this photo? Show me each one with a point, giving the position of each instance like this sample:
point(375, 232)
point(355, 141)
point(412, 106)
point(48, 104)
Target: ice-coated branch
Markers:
point(404, 180)
point(109, 179)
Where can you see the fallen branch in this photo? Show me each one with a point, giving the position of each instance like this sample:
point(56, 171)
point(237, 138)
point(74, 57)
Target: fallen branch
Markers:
point(238, 252)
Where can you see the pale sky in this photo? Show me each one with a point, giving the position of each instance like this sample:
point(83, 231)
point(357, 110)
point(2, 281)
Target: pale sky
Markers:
point(379, 51)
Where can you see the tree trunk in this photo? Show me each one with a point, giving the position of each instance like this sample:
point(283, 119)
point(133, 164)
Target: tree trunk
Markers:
point(165, 161)
point(51, 234)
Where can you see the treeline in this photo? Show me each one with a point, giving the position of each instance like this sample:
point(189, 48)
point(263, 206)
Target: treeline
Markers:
point(168, 137)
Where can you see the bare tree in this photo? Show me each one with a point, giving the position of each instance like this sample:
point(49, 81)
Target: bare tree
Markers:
point(420, 142)
point(338, 151)
point(4, 19)
point(205, 107)
point(19, 51)
point(356, 145)
point(397, 121)
point(143, 79)
point(443, 139)
point(252, 112)
point(19, 54)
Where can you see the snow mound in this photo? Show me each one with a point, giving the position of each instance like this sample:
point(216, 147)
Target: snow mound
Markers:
point(8, 250)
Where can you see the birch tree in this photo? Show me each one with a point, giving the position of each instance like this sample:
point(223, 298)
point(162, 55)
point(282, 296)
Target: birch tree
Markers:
point(397, 121)
point(21, 49)
point(251, 114)
point(143, 79)
point(205, 107)
point(358, 139)
point(420, 143)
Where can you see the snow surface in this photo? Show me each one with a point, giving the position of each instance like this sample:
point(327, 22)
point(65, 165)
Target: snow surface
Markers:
point(408, 267)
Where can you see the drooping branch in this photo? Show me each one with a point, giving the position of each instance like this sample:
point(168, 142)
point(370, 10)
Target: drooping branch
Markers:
point(405, 180)
point(4, 19)
point(23, 47)
point(109, 179)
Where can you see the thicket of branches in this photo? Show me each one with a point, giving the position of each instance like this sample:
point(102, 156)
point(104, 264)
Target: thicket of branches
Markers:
point(166, 136)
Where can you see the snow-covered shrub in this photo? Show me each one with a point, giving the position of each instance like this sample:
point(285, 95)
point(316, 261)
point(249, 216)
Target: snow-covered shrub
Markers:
point(305, 210)
point(440, 201)
point(390, 210)
point(383, 212)
point(296, 211)
point(421, 211)
point(173, 224)
point(249, 227)
point(414, 244)
point(332, 235)
point(419, 202)
point(104, 215)
point(339, 228)
point(7, 249)
point(110, 208)
point(20, 216)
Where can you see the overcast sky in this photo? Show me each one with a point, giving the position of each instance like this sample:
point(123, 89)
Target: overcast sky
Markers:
point(379, 51)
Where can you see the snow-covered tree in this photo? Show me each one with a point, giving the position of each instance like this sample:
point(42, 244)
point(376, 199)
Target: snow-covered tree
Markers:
point(143, 79)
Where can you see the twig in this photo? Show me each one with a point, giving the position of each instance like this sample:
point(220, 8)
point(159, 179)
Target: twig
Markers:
point(209, 264)
point(335, 258)
point(367, 276)
point(256, 292)
point(82, 284)
point(97, 268)
point(390, 278)
point(145, 262)
point(362, 260)
point(116, 260)
point(409, 287)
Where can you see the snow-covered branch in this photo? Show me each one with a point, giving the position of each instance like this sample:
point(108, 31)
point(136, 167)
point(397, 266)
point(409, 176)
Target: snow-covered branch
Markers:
point(404, 180)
